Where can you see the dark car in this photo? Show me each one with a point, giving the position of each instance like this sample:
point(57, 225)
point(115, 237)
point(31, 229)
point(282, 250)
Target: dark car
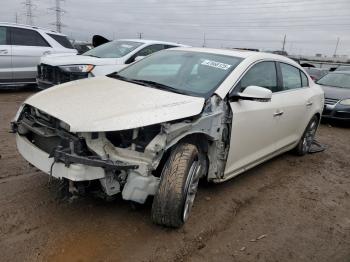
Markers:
point(316, 73)
point(336, 86)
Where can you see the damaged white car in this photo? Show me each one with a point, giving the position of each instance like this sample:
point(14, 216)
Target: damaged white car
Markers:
point(161, 124)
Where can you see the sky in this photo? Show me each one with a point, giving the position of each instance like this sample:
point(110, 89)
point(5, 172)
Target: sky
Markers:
point(310, 26)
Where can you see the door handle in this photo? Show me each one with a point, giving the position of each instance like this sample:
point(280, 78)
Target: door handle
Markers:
point(4, 51)
point(309, 103)
point(278, 113)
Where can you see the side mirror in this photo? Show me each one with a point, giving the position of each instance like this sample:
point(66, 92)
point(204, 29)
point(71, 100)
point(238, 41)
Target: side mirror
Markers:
point(254, 93)
point(138, 58)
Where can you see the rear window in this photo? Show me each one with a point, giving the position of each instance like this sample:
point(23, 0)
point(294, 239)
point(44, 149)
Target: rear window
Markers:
point(62, 40)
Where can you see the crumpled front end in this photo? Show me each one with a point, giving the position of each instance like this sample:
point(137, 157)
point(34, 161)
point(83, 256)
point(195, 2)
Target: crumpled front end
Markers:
point(118, 160)
point(128, 161)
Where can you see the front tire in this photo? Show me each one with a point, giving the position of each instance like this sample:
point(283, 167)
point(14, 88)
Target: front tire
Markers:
point(178, 186)
point(306, 140)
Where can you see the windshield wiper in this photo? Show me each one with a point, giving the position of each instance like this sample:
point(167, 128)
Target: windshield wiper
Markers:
point(159, 86)
point(134, 81)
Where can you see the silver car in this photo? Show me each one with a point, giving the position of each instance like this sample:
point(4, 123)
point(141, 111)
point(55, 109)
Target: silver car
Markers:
point(21, 47)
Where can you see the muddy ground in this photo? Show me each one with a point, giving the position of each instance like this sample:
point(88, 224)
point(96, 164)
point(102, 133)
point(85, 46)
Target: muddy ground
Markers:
point(288, 209)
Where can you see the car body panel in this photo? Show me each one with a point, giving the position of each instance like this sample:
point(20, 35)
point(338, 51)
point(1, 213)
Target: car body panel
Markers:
point(6, 74)
point(106, 104)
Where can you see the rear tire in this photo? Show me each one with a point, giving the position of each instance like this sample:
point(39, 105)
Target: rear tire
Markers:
point(178, 186)
point(305, 142)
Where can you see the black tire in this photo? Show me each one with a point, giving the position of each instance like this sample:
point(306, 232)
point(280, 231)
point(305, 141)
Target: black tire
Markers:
point(305, 142)
point(176, 180)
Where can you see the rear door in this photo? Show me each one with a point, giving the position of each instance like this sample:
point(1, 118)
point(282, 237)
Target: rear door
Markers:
point(27, 48)
point(297, 103)
point(5, 56)
point(255, 125)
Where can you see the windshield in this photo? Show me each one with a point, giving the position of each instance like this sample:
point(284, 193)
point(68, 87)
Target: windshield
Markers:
point(336, 80)
point(114, 49)
point(186, 72)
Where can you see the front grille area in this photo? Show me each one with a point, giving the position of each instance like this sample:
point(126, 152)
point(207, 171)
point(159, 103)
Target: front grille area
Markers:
point(331, 101)
point(54, 75)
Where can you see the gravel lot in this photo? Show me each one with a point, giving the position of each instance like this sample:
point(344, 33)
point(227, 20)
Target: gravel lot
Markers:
point(288, 209)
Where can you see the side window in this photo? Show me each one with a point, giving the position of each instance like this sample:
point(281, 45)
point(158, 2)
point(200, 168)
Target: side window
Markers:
point(291, 77)
point(169, 46)
point(145, 52)
point(263, 74)
point(3, 36)
point(304, 80)
point(150, 49)
point(26, 37)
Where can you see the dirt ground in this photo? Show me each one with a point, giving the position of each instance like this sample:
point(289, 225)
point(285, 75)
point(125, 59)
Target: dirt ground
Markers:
point(288, 209)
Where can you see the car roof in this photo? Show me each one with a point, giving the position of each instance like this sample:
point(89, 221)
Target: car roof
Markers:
point(148, 41)
point(239, 53)
point(46, 30)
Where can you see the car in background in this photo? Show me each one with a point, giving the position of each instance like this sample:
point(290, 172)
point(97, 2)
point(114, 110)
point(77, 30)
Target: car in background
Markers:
point(316, 73)
point(343, 68)
point(336, 86)
point(82, 47)
point(160, 125)
point(101, 60)
point(21, 47)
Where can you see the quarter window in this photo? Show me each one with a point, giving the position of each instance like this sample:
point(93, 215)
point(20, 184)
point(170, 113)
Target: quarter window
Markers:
point(291, 77)
point(27, 37)
point(62, 40)
point(3, 35)
point(263, 74)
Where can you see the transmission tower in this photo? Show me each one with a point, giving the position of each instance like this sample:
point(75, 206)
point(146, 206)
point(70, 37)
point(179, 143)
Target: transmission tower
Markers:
point(59, 12)
point(29, 12)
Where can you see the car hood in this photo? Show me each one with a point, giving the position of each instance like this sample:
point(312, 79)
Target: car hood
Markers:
point(335, 92)
point(77, 60)
point(106, 104)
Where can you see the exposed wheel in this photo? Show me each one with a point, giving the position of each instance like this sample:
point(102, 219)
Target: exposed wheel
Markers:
point(305, 142)
point(178, 187)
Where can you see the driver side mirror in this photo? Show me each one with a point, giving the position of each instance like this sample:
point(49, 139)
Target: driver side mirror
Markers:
point(253, 93)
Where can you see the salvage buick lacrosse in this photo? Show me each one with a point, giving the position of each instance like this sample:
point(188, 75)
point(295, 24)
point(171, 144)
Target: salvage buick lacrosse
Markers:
point(163, 123)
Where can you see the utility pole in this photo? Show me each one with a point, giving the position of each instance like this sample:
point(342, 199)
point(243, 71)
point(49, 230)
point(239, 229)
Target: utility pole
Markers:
point(336, 47)
point(29, 12)
point(204, 41)
point(140, 35)
point(284, 42)
point(59, 11)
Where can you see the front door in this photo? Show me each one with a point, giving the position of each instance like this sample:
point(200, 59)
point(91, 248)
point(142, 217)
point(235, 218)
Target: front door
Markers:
point(5, 56)
point(255, 125)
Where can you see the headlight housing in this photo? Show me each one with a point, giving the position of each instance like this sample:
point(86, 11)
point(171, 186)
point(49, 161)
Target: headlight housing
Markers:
point(77, 68)
point(345, 102)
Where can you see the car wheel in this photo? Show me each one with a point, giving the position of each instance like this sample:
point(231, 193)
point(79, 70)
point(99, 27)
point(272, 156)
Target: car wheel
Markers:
point(306, 140)
point(178, 187)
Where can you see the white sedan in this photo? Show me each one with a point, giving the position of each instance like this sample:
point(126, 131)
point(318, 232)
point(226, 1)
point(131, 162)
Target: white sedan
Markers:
point(102, 60)
point(166, 121)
